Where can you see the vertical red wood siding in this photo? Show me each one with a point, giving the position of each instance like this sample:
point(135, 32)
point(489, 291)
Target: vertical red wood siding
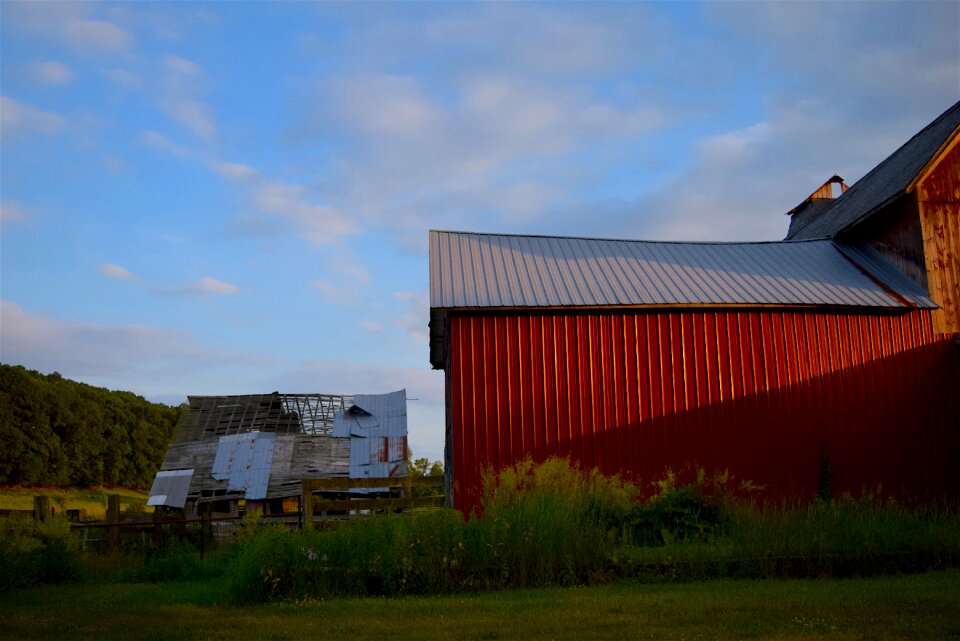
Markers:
point(763, 394)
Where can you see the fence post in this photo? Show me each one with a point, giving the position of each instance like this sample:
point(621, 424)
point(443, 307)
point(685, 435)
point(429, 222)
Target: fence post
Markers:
point(306, 504)
point(204, 526)
point(41, 508)
point(158, 514)
point(113, 518)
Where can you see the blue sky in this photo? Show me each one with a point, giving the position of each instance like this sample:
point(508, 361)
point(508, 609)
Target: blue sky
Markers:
point(226, 198)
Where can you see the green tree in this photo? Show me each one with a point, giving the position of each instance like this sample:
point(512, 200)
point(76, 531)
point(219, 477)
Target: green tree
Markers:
point(423, 466)
point(55, 431)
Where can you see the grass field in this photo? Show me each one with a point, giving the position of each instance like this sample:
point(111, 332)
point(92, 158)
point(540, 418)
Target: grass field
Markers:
point(893, 607)
point(91, 501)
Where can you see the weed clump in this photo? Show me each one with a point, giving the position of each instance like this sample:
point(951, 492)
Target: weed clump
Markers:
point(36, 552)
point(556, 524)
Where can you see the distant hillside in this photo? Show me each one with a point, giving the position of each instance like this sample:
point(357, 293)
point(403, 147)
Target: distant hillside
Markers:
point(54, 431)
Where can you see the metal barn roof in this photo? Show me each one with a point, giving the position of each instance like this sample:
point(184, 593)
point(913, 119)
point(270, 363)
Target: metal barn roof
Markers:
point(470, 270)
point(170, 488)
point(885, 182)
point(377, 427)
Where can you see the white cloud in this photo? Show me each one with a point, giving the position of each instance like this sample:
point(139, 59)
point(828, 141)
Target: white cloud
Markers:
point(204, 285)
point(209, 285)
point(232, 170)
point(90, 349)
point(117, 272)
point(70, 23)
point(158, 140)
point(183, 83)
point(346, 279)
point(195, 115)
point(10, 212)
point(336, 294)
point(496, 144)
point(181, 67)
point(416, 318)
point(547, 40)
point(371, 326)
point(877, 60)
point(51, 72)
point(97, 33)
point(124, 78)
point(322, 224)
point(20, 119)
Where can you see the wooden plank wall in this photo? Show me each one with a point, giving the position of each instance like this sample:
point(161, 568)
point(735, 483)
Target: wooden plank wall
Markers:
point(294, 457)
point(938, 194)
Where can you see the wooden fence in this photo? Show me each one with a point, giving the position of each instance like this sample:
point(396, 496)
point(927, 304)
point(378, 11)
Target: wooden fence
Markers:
point(337, 500)
point(397, 493)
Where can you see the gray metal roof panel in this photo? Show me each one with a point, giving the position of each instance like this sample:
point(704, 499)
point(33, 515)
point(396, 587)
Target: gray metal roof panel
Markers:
point(244, 461)
point(883, 183)
point(170, 488)
point(873, 262)
point(587, 272)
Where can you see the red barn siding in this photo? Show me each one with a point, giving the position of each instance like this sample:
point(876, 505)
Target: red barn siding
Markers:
point(759, 393)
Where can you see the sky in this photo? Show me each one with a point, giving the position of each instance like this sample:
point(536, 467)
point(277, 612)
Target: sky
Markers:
point(233, 198)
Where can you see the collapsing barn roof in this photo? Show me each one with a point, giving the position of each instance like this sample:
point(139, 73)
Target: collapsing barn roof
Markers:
point(259, 446)
point(310, 414)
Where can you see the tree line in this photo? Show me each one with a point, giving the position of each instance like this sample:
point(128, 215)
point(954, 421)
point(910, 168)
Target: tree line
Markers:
point(54, 431)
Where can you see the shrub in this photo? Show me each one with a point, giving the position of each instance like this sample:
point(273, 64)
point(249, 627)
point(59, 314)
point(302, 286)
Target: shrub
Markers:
point(36, 552)
point(180, 561)
point(693, 511)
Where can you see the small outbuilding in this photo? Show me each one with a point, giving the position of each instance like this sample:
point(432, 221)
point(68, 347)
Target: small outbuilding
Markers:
point(825, 362)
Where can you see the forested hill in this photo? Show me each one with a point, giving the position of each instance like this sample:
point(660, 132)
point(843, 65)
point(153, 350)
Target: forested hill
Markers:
point(54, 431)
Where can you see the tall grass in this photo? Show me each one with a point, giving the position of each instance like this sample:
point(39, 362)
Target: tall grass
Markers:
point(848, 536)
point(556, 524)
point(551, 524)
point(36, 552)
point(540, 525)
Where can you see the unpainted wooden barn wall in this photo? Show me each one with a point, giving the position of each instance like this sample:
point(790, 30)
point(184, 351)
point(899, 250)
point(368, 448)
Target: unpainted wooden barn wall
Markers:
point(763, 394)
point(939, 197)
point(897, 235)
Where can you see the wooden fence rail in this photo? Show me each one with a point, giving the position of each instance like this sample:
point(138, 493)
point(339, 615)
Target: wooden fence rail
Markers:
point(401, 490)
point(397, 494)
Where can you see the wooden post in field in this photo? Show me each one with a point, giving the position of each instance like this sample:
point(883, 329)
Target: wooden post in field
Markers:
point(204, 526)
point(41, 507)
point(306, 504)
point(113, 517)
point(158, 514)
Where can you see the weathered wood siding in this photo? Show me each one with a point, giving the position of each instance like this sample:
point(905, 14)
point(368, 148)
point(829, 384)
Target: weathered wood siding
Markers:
point(294, 456)
point(938, 194)
point(896, 234)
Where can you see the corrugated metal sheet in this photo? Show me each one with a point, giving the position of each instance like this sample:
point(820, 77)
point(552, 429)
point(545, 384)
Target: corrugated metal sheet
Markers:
point(244, 461)
point(887, 275)
point(377, 427)
point(469, 270)
point(763, 394)
point(885, 182)
point(170, 488)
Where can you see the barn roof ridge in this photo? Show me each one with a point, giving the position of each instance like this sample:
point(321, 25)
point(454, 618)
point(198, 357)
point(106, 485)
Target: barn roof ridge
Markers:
point(630, 240)
point(881, 185)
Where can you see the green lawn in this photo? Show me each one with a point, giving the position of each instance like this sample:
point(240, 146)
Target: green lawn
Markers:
point(894, 607)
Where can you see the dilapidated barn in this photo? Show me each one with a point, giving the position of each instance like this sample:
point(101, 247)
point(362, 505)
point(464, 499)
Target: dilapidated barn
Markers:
point(828, 358)
point(257, 448)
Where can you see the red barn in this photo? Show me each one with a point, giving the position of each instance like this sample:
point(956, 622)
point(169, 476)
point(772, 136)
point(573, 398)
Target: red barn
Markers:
point(835, 347)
